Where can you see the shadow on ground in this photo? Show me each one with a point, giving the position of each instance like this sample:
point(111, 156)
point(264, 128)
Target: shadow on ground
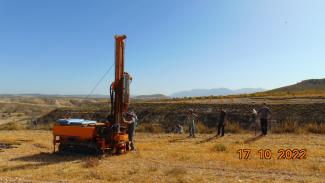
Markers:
point(208, 139)
point(8, 145)
point(253, 139)
point(36, 161)
point(179, 139)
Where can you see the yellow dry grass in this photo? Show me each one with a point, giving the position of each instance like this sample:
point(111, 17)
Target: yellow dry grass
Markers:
point(164, 158)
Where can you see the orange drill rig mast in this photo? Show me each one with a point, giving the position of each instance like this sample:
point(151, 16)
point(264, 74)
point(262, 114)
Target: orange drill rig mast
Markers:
point(120, 95)
point(76, 134)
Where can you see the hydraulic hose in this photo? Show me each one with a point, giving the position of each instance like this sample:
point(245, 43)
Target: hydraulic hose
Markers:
point(112, 101)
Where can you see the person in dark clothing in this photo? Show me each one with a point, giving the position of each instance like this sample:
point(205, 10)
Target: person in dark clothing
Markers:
point(131, 121)
point(34, 122)
point(191, 122)
point(221, 124)
point(264, 114)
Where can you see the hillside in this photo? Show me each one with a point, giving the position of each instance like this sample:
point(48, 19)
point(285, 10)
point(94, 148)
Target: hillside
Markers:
point(311, 85)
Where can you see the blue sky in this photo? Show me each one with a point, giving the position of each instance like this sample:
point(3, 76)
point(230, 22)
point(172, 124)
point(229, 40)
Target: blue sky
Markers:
point(65, 46)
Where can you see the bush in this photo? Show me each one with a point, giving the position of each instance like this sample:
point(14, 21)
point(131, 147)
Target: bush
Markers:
point(285, 127)
point(316, 128)
point(46, 126)
point(149, 127)
point(201, 128)
point(91, 162)
point(232, 127)
point(220, 148)
point(40, 126)
point(177, 171)
point(294, 127)
point(10, 126)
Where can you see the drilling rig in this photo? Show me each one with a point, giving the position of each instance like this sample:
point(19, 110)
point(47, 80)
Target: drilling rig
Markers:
point(100, 137)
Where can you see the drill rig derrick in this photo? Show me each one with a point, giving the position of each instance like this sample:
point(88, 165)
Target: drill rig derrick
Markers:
point(120, 88)
point(101, 137)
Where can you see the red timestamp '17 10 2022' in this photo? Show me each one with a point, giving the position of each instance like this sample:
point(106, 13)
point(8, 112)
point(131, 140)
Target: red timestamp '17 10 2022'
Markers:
point(284, 154)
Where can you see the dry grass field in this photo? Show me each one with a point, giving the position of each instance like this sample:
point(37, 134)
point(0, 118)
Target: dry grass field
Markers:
point(26, 156)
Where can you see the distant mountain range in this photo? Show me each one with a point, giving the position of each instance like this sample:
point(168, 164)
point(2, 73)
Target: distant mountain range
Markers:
point(215, 92)
point(190, 93)
point(149, 97)
point(312, 85)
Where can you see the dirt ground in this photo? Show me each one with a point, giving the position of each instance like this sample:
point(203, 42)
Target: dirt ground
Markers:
point(26, 156)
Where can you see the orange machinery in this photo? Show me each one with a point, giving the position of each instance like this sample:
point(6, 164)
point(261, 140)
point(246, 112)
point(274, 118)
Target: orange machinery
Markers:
point(109, 136)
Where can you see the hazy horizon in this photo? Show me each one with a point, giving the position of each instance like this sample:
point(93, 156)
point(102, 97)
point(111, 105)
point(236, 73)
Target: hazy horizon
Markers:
point(166, 94)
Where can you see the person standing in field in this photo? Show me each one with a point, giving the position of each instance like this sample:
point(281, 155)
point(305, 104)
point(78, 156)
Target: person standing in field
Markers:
point(221, 124)
point(191, 122)
point(34, 122)
point(264, 114)
point(253, 119)
point(131, 122)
